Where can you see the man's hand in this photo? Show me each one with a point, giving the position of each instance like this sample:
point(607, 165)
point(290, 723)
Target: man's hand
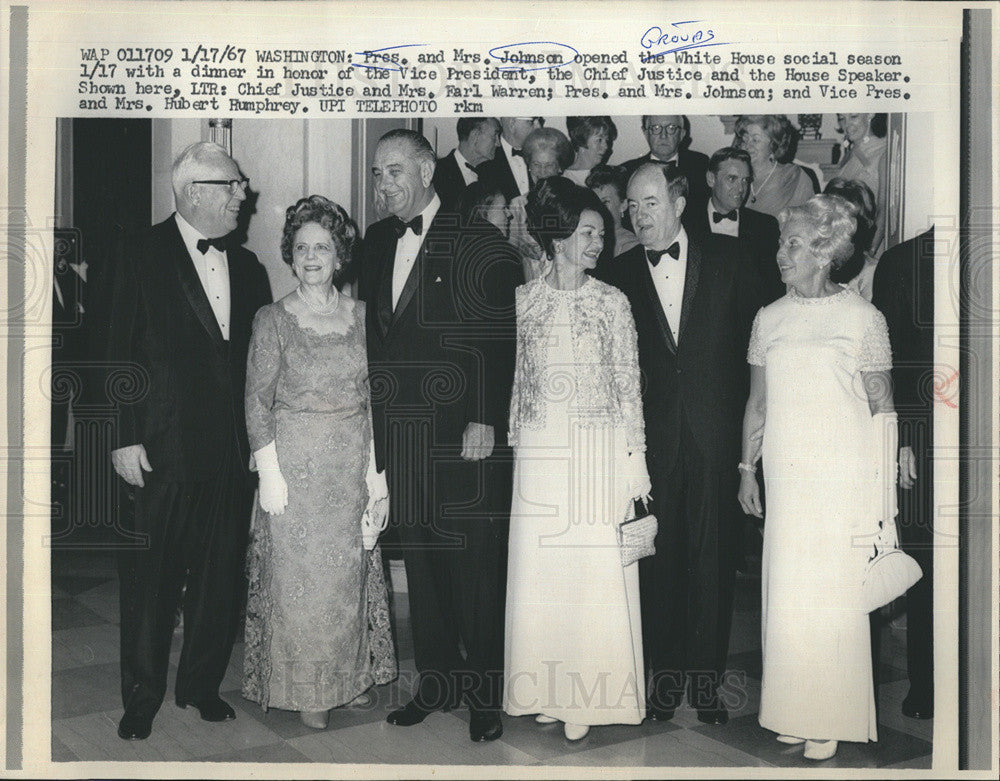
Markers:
point(130, 462)
point(907, 467)
point(477, 442)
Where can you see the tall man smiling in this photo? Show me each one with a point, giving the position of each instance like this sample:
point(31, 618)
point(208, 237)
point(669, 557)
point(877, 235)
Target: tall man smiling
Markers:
point(182, 303)
point(693, 306)
point(439, 401)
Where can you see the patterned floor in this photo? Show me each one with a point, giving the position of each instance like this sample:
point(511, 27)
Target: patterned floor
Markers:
point(86, 707)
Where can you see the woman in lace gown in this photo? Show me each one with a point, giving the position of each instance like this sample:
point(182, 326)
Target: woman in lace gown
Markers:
point(573, 629)
point(820, 398)
point(317, 626)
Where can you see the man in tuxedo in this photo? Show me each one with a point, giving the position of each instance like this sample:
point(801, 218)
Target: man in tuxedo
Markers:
point(693, 306)
point(729, 175)
point(440, 377)
point(477, 143)
point(903, 289)
point(182, 305)
point(665, 136)
point(507, 170)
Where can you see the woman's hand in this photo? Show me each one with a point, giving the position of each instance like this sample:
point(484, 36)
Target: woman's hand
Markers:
point(638, 485)
point(273, 488)
point(749, 495)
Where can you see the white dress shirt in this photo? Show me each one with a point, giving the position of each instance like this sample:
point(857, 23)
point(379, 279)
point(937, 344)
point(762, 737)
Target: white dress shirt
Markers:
point(668, 277)
point(213, 271)
point(468, 174)
point(408, 247)
point(725, 227)
point(517, 166)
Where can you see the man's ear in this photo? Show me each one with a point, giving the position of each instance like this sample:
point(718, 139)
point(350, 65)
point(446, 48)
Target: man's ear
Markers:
point(426, 172)
point(679, 205)
point(710, 178)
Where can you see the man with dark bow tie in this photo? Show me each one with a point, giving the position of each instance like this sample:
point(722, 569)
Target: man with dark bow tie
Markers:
point(477, 143)
point(508, 171)
point(440, 358)
point(693, 305)
point(182, 302)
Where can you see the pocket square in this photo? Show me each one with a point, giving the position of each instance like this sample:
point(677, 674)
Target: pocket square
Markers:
point(437, 280)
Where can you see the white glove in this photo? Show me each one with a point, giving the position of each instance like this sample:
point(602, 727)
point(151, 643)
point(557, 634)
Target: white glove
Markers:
point(886, 436)
point(637, 482)
point(376, 515)
point(273, 488)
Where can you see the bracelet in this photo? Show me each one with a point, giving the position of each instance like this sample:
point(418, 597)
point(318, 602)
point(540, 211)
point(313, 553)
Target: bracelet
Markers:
point(750, 468)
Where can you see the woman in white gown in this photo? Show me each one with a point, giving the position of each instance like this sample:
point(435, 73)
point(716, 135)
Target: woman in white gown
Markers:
point(820, 397)
point(573, 629)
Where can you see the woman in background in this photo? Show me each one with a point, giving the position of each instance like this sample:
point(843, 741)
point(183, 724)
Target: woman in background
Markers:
point(820, 402)
point(608, 183)
point(865, 162)
point(317, 623)
point(776, 185)
point(859, 271)
point(592, 139)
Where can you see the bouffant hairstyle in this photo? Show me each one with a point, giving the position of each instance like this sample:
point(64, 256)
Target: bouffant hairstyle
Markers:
point(554, 208)
point(603, 175)
point(833, 223)
point(582, 128)
point(862, 201)
point(779, 130)
point(326, 214)
point(549, 138)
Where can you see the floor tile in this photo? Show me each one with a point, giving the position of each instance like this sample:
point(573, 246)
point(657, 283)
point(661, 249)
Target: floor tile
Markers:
point(680, 748)
point(77, 691)
point(79, 646)
point(68, 612)
point(61, 752)
point(75, 585)
point(890, 700)
point(102, 600)
point(274, 752)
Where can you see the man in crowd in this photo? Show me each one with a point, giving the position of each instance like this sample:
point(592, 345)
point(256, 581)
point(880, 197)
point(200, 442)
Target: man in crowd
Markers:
point(729, 175)
point(182, 305)
point(508, 170)
point(440, 380)
point(693, 304)
point(666, 136)
point(477, 143)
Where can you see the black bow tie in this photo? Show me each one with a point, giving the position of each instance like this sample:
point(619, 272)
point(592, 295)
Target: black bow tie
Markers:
point(654, 255)
point(516, 153)
point(204, 244)
point(416, 225)
point(717, 218)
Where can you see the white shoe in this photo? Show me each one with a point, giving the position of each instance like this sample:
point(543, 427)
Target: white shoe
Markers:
point(315, 719)
point(575, 731)
point(790, 740)
point(820, 749)
point(541, 718)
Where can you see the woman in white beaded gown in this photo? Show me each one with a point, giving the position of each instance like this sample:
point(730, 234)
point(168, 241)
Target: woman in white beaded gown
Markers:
point(820, 411)
point(573, 630)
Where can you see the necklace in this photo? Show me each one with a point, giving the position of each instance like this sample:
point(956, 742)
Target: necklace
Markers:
point(328, 311)
point(755, 190)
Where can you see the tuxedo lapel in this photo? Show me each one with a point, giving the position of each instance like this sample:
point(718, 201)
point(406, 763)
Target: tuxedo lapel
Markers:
point(384, 283)
point(410, 286)
point(690, 281)
point(191, 285)
point(652, 299)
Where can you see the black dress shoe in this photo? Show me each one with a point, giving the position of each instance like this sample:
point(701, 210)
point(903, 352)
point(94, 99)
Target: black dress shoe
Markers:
point(716, 715)
point(410, 714)
point(211, 709)
point(659, 714)
point(916, 707)
point(484, 725)
point(135, 725)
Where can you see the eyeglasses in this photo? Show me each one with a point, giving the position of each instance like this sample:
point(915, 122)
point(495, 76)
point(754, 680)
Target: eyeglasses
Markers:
point(744, 137)
point(232, 184)
point(663, 130)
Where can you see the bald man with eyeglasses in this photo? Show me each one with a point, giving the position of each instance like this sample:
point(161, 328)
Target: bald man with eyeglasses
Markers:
point(183, 299)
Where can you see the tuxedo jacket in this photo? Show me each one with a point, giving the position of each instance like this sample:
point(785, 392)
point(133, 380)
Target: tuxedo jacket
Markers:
point(903, 290)
point(497, 173)
point(758, 238)
point(448, 181)
point(700, 380)
point(445, 355)
point(179, 385)
point(693, 165)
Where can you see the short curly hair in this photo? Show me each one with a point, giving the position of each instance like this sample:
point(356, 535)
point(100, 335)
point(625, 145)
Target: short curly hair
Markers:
point(554, 208)
point(549, 138)
point(779, 129)
point(833, 223)
point(328, 215)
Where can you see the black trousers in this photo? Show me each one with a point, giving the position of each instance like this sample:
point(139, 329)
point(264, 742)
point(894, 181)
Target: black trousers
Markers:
point(196, 534)
point(452, 518)
point(687, 586)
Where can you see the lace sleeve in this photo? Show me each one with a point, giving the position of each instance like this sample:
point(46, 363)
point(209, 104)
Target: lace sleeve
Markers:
point(625, 355)
point(875, 353)
point(515, 391)
point(755, 352)
point(263, 364)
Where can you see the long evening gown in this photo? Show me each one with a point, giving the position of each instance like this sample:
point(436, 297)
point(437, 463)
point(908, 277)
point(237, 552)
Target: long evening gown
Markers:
point(317, 625)
point(819, 465)
point(573, 622)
